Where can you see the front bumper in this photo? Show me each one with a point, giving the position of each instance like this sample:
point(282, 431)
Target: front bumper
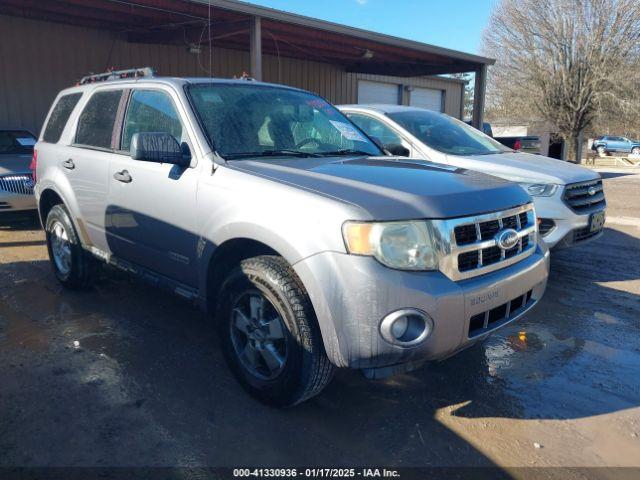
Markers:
point(567, 222)
point(16, 202)
point(352, 294)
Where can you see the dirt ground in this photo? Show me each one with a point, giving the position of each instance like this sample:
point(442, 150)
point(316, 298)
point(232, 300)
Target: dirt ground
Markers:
point(125, 375)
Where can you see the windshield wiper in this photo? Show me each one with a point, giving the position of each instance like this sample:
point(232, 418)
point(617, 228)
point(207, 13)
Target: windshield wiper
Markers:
point(345, 151)
point(271, 153)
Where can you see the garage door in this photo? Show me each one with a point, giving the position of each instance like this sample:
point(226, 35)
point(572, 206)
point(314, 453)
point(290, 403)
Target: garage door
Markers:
point(377, 92)
point(426, 98)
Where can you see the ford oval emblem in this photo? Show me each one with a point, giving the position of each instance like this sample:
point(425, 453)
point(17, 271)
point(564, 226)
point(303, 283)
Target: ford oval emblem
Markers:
point(507, 239)
point(591, 191)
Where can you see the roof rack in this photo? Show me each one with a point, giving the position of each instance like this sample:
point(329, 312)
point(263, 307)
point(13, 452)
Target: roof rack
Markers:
point(118, 74)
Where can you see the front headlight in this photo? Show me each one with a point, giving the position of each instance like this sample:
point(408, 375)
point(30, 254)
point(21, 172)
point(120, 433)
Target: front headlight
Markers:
point(540, 189)
point(401, 245)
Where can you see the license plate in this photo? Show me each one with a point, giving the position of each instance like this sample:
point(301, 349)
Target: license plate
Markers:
point(596, 222)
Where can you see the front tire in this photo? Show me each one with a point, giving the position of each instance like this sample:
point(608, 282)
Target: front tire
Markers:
point(72, 266)
point(269, 333)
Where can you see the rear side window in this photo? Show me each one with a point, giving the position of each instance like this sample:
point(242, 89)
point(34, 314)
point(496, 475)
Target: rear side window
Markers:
point(95, 126)
point(59, 117)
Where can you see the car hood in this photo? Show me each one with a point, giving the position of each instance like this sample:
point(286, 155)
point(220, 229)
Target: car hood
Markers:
point(14, 164)
point(525, 168)
point(390, 188)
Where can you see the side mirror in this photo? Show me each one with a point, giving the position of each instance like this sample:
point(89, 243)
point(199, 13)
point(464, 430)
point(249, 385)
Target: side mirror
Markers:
point(397, 149)
point(159, 147)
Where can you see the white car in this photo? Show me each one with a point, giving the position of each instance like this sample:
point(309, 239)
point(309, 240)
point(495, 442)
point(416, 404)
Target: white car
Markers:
point(16, 180)
point(569, 199)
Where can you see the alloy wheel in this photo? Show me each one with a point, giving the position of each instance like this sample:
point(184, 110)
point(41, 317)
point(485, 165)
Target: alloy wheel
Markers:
point(60, 248)
point(258, 335)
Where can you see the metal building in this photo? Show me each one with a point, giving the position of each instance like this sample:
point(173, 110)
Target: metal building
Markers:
point(48, 45)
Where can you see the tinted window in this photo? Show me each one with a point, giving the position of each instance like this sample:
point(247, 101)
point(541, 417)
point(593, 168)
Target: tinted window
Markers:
point(151, 111)
point(16, 142)
point(375, 128)
point(245, 120)
point(95, 126)
point(446, 134)
point(59, 117)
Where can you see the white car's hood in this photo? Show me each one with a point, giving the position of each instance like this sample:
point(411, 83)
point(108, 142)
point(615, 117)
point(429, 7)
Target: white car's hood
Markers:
point(525, 168)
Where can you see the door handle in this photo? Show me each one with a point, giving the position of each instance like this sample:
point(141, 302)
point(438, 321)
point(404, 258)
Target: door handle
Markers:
point(68, 164)
point(123, 176)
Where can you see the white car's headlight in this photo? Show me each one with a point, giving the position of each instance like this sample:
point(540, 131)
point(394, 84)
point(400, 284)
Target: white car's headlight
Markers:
point(540, 189)
point(402, 245)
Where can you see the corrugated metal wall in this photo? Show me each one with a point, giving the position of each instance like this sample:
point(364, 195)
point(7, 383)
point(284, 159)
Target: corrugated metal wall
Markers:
point(41, 58)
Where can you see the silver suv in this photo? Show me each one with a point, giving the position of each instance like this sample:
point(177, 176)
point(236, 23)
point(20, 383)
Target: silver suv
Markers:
point(269, 208)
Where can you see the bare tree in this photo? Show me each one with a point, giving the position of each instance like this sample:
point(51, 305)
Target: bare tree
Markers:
point(562, 60)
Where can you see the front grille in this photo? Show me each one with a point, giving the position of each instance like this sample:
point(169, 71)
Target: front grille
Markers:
point(20, 183)
point(486, 321)
point(491, 255)
point(524, 219)
point(585, 233)
point(468, 261)
point(466, 234)
point(489, 229)
point(476, 250)
point(584, 197)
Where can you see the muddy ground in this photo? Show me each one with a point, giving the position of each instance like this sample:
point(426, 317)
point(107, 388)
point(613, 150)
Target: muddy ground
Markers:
point(125, 375)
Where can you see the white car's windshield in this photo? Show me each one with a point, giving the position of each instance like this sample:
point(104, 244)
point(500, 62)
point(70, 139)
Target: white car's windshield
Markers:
point(446, 134)
point(244, 120)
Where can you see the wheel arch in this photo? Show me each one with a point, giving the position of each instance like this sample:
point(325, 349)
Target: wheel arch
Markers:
point(224, 258)
point(48, 199)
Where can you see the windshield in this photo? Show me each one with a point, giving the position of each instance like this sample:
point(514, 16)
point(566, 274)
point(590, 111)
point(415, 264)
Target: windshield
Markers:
point(446, 134)
point(245, 120)
point(16, 142)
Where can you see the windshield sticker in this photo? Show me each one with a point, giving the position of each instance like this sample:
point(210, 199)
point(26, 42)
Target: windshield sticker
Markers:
point(317, 103)
point(322, 105)
point(348, 131)
point(26, 141)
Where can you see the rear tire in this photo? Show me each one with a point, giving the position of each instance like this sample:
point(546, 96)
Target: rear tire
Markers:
point(269, 333)
point(602, 152)
point(73, 267)
point(635, 150)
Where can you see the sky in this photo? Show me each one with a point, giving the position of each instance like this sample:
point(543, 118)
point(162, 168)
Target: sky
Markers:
point(455, 24)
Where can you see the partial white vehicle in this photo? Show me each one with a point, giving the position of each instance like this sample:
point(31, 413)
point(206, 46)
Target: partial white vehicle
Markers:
point(569, 199)
point(16, 181)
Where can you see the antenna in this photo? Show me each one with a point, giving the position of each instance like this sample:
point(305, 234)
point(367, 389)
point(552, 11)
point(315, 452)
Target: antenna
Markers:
point(210, 51)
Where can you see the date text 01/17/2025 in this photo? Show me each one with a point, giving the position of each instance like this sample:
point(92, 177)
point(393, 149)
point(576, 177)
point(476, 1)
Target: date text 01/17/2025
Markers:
point(316, 473)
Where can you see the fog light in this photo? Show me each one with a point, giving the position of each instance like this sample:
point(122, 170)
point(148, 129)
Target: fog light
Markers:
point(406, 328)
point(399, 327)
point(546, 226)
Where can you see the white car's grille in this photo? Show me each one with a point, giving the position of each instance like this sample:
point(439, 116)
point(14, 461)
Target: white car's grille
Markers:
point(585, 197)
point(21, 184)
point(475, 242)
